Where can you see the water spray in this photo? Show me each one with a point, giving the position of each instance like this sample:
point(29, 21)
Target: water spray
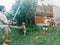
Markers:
point(20, 4)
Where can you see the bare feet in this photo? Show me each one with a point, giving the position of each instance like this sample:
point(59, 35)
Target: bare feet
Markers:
point(4, 44)
point(8, 40)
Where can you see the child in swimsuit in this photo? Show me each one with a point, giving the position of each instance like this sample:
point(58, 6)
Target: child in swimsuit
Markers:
point(24, 28)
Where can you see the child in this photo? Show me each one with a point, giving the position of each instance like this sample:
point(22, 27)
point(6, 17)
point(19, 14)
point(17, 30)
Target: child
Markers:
point(53, 23)
point(24, 28)
point(45, 25)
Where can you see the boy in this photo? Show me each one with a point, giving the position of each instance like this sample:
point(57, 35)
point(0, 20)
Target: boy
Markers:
point(24, 28)
point(45, 25)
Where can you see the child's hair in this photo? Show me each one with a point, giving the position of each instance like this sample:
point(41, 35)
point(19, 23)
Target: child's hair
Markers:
point(23, 23)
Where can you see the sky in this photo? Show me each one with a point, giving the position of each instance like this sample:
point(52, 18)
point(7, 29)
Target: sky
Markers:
point(54, 2)
point(46, 2)
point(8, 3)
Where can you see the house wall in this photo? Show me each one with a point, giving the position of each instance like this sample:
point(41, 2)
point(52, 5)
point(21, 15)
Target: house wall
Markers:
point(56, 13)
point(39, 19)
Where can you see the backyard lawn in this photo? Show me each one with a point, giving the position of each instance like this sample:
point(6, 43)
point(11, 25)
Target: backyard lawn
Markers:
point(34, 37)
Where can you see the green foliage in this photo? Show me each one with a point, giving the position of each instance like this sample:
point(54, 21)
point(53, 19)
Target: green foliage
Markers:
point(26, 12)
point(9, 16)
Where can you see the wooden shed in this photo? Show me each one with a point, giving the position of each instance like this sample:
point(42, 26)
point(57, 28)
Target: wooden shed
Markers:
point(42, 11)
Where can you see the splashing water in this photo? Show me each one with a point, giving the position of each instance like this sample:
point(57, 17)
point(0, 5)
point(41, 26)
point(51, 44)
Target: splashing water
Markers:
point(20, 4)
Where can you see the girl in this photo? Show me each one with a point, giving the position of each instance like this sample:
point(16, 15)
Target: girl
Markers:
point(24, 28)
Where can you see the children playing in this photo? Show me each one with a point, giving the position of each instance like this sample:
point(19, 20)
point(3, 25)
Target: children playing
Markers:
point(24, 28)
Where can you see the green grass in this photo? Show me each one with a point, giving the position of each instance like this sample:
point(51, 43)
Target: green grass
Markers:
point(17, 37)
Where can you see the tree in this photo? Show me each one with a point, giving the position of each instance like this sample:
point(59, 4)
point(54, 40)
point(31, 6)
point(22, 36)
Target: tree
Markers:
point(26, 12)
